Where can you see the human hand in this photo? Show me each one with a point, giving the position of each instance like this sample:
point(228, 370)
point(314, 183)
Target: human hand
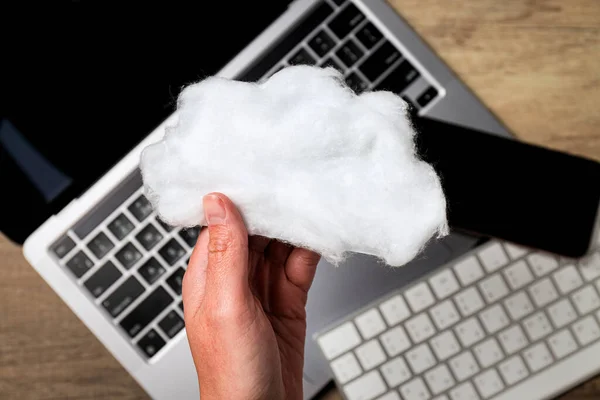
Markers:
point(244, 305)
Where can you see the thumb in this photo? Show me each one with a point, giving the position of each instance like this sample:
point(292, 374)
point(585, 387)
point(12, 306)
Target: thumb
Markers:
point(227, 269)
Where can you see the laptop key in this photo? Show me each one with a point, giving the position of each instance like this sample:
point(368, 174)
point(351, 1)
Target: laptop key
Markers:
point(100, 245)
point(79, 264)
point(356, 83)
point(164, 225)
point(181, 305)
point(399, 79)
point(102, 279)
point(123, 296)
point(190, 235)
point(368, 35)
point(128, 255)
point(348, 19)
point(302, 57)
point(321, 43)
point(378, 62)
point(151, 343)
point(171, 324)
point(330, 62)
point(171, 252)
point(349, 53)
point(140, 208)
point(151, 270)
point(146, 311)
point(62, 246)
point(427, 96)
point(175, 281)
point(339, 2)
point(148, 237)
point(120, 226)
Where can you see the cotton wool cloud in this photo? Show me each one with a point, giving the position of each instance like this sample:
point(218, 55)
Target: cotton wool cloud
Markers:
point(306, 161)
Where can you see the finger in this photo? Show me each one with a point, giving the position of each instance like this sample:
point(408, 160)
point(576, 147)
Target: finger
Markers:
point(227, 269)
point(194, 279)
point(301, 267)
point(258, 243)
point(277, 252)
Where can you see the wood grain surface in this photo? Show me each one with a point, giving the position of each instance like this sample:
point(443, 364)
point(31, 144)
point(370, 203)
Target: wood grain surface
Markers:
point(534, 63)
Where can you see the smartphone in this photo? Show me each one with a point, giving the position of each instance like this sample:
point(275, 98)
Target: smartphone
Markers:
point(503, 188)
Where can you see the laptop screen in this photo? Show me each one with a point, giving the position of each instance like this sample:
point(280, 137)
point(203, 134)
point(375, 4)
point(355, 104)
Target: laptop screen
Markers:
point(83, 82)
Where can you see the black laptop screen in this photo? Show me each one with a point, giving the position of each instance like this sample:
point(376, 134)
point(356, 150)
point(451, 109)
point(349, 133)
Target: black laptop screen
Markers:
point(81, 83)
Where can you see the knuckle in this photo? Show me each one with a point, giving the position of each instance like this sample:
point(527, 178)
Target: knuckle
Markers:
point(220, 239)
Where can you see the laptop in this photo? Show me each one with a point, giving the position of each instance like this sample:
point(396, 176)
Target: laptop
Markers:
point(94, 84)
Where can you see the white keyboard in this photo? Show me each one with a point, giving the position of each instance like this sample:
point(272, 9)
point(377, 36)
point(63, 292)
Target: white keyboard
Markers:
point(501, 322)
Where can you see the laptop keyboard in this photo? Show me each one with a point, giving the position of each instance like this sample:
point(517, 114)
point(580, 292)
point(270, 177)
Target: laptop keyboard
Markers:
point(131, 264)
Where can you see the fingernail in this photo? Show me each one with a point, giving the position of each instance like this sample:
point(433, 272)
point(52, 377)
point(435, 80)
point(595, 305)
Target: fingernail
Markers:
point(214, 210)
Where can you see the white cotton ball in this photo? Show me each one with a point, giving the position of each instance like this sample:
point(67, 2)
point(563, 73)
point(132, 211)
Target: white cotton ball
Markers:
point(305, 160)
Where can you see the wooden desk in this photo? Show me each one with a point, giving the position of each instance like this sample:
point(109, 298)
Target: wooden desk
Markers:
point(534, 63)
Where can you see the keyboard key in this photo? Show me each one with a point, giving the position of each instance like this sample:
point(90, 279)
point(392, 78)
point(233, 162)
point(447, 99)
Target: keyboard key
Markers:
point(419, 328)
point(395, 372)
point(444, 284)
point(171, 252)
point(394, 310)
point(586, 330)
point(543, 292)
point(346, 368)
point(349, 53)
point(518, 305)
point(120, 226)
point(488, 383)
point(370, 323)
point(378, 62)
point(175, 281)
point(399, 79)
point(166, 227)
point(321, 43)
point(151, 270)
point(301, 57)
point(439, 379)
point(348, 19)
point(469, 331)
point(493, 257)
point(123, 296)
point(590, 266)
point(369, 35)
point(562, 313)
point(586, 299)
point(339, 340)
point(445, 345)
point(562, 343)
point(466, 391)
point(513, 339)
point(395, 341)
point(330, 62)
point(100, 245)
point(488, 352)
point(420, 358)
point(493, 288)
point(514, 251)
point(426, 97)
point(494, 318)
point(190, 235)
point(62, 246)
point(366, 387)
point(468, 270)
point(128, 255)
point(146, 311)
point(181, 305)
point(567, 279)
point(513, 370)
point(518, 275)
point(542, 263)
point(149, 237)
point(151, 343)
point(537, 357)
point(537, 326)
point(140, 208)
point(464, 366)
point(356, 83)
point(444, 314)
point(79, 264)
point(419, 297)
point(469, 301)
point(171, 324)
point(370, 354)
point(102, 279)
point(415, 390)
